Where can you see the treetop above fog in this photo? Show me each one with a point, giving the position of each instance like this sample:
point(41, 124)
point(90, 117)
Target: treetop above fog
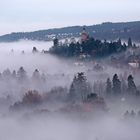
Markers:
point(90, 48)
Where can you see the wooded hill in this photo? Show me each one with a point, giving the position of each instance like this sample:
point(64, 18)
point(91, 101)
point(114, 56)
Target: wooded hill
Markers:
point(108, 31)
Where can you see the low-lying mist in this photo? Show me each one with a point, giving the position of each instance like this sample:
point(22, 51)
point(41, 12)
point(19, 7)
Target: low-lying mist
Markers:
point(34, 93)
point(62, 128)
point(24, 45)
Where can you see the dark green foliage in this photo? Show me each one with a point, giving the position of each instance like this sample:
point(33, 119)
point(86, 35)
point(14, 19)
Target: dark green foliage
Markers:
point(92, 96)
point(91, 47)
point(116, 85)
point(130, 42)
point(131, 85)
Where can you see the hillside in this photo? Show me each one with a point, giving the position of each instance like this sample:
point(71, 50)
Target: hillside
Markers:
point(109, 31)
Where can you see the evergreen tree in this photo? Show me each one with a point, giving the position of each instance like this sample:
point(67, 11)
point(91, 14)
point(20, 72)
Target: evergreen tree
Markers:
point(131, 85)
point(80, 88)
point(14, 75)
point(108, 87)
point(119, 42)
point(130, 42)
point(72, 91)
point(21, 74)
point(36, 75)
point(7, 74)
point(34, 50)
point(91, 47)
point(116, 85)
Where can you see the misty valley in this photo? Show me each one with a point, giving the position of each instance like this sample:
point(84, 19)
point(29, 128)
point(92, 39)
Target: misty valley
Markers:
point(69, 69)
point(70, 90)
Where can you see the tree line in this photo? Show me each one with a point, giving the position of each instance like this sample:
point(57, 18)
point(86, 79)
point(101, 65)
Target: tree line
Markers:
point(120, 88)
point(81, 93)
point(92, 48)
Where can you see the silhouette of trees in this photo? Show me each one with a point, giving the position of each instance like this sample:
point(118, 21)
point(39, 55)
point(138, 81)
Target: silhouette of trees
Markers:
point(91, 97)
point(21, 74)
point(120, 88)
point(116, 85)
point(34, 50)
point(130, 42)
point(132, 89)
point(58, 94)
point(91, 47)
point(31, 97)
point(108, 87)
point(36, 75)
point(80, 88)
point(14, 75)
point(6, 74)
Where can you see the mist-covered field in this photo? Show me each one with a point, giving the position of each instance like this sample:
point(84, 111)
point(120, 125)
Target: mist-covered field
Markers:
point(34, 98)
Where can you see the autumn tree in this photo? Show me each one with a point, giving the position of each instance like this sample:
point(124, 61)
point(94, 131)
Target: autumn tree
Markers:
point(31, 97)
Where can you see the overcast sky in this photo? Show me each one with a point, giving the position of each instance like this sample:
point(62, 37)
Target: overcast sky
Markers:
point(28, 15)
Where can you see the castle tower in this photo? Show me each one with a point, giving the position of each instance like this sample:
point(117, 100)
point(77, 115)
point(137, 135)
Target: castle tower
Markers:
point(84, 35)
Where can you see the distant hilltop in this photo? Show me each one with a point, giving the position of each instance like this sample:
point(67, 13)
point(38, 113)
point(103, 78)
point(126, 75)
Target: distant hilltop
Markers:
point(108, 31)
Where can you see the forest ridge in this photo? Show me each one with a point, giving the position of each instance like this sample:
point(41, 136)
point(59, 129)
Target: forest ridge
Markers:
point(108, 31)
